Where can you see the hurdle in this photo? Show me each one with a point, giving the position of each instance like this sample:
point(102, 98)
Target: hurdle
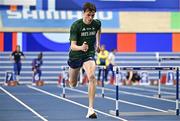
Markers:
point(160, 59)
point(64, 76)
point(119, 68)
point(64, 71)
point(170, 59)
point(159, 75)
point(102, 78)
point(177, 81)
point(117, 71)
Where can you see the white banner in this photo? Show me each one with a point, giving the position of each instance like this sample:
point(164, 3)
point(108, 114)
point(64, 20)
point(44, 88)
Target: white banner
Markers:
point(18, 2)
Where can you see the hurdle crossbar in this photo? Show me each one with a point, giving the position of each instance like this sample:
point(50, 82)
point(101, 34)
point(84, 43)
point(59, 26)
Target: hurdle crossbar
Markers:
point(147, 68)
point(148, 113)
point(169, 59)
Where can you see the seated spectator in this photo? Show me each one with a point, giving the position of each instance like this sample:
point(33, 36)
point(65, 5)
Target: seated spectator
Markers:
point(132, 78)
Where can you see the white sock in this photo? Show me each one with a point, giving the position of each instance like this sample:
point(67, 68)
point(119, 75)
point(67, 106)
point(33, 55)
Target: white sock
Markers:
point(90, 112)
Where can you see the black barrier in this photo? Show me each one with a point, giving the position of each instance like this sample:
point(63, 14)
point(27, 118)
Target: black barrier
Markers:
point(169, 59)
point(148, 68)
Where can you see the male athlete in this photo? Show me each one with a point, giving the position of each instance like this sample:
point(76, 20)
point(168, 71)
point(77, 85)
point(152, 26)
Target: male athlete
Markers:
point(36, 68)
point(17, 62)
point(84, 38)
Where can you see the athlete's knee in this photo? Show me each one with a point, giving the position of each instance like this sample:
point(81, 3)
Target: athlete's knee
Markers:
point(92, 78)
point(72, 83)
point(16, 72)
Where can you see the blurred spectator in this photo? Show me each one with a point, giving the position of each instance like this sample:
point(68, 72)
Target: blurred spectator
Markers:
point(111, 59)
point(102, 60)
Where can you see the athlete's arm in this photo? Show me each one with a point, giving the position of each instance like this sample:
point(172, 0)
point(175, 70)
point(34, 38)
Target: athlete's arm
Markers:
point(75, 47)
point(10, 56)
point(23, 56)
point(98, 36)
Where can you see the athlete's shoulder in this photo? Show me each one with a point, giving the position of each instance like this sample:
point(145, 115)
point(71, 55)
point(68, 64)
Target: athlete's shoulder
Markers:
point(77, 23)
point(22, 53)
point(97, 22)
point(14, 52)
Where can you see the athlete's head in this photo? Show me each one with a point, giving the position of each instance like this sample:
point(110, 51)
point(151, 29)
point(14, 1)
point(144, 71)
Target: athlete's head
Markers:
point(18, 48)
point(40, 55)
point(89, 11)
point(103, 47)
point(113, 50)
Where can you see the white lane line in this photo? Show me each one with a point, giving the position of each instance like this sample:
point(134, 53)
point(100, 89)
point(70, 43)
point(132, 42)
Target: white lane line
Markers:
point(139, 105)
point(163, 87)
point(73, 102)
point(148, 90)
point(140, 95)
point(26, 106)
point(131, 103)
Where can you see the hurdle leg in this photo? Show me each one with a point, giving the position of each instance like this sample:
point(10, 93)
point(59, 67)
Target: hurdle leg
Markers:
point(64, 83)
point(117, 92)
point(63, 93)
point(159, 85)
point(177, 91)
point(103, 77)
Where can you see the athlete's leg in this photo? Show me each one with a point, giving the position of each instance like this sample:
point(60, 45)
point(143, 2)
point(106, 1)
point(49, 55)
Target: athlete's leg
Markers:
point(105, 74)
point(15, 70)
point(18, 70)
point(73, 76)
point(39, 73)
point(90, 67)
point(74, 68)
point(99, 74)
point(33, 74)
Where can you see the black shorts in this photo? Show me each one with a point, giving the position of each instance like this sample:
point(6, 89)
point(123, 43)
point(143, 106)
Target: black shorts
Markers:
point(78, 63)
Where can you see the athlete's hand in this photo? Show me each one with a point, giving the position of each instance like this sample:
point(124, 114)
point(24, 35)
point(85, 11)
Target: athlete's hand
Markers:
point(85, 46)
point(98, 49)
point(34, 70)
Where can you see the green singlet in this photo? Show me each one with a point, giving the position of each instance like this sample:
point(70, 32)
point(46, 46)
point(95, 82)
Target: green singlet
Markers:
point(81, 33)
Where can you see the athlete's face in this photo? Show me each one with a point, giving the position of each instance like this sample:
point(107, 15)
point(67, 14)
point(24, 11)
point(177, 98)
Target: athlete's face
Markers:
point(40, 56)
point(18, 48)
point(88, 16)
point(102, 48)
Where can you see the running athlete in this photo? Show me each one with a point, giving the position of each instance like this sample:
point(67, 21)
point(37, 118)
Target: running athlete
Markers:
point(17, 54)
point(85, 41)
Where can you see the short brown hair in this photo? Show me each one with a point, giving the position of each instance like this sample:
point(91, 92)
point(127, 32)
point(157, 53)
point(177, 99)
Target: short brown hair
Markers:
point(89, 6)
